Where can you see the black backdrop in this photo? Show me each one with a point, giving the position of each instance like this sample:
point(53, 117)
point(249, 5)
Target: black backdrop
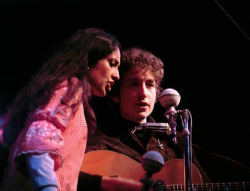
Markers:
point(205, 51)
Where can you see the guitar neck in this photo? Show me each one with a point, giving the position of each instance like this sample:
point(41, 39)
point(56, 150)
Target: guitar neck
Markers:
point(239, 186)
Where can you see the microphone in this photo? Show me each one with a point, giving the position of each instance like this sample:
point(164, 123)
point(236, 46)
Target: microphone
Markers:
point(169, 99)
point(152, 162)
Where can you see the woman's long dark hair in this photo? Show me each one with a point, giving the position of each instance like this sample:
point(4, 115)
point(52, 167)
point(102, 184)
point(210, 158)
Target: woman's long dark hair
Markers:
point(82, 50)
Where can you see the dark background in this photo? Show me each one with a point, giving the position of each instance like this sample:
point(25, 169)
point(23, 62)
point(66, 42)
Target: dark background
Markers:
point(204, 48)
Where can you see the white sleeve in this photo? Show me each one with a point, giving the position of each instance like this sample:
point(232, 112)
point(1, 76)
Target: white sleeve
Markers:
point(41, 171)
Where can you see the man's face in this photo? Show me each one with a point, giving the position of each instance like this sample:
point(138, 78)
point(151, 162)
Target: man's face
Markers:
point(137, 95)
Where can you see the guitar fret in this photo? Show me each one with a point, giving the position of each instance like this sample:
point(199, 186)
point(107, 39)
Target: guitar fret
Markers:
point(208, 187)
point(175, 188)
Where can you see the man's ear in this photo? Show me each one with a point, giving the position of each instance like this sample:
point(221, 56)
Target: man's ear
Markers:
point(115, 99)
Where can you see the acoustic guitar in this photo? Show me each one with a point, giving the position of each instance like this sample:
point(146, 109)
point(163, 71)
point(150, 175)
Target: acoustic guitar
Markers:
point(113, 164)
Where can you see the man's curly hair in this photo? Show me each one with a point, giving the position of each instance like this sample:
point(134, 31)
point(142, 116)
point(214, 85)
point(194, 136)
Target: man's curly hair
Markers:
point(137, 57)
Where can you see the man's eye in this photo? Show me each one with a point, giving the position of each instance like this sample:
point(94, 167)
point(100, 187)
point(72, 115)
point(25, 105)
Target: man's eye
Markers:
point(151, 85)
point(133, 84)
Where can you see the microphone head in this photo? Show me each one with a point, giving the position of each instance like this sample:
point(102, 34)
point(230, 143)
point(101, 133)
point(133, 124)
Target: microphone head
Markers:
point(152, 162)
point(169, 98)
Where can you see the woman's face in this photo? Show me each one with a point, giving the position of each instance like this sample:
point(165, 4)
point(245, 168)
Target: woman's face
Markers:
point(103, 76)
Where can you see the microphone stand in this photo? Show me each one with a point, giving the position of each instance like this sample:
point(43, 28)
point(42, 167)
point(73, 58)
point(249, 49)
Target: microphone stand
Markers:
point(169, 99)
point(187, 151)
point(172, 114)
point(146, 182)
point(170, 128)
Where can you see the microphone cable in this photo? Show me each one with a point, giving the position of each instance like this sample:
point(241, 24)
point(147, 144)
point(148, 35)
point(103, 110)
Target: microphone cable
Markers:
point(232, 20)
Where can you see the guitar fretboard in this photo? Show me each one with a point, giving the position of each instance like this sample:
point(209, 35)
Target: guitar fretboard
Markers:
point(236, 186)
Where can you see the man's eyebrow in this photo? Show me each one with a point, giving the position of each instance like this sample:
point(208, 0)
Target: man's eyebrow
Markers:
point(148, 79)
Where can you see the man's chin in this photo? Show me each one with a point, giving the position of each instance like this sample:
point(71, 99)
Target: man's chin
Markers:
point(142, 118)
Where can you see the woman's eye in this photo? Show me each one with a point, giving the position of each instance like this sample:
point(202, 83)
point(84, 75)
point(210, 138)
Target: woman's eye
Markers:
point(113, 63)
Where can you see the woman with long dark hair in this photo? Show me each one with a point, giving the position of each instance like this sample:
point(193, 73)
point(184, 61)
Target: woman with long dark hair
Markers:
point(48, 123)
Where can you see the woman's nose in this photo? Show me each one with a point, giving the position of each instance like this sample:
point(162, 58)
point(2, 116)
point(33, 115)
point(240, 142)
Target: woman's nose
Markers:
point(116, 75)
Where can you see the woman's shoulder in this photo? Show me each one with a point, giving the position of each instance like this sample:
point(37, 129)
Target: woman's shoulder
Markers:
point(74, 81)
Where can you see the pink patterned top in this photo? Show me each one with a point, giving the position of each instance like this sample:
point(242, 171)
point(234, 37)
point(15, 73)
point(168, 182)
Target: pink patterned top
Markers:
point(54, 128)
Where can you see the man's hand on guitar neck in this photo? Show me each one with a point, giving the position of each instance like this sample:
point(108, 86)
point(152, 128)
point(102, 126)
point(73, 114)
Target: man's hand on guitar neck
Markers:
point(119, 183)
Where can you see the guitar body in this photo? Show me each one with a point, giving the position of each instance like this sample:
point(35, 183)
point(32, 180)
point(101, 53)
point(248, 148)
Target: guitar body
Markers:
point(173, 173)
point(113, 164)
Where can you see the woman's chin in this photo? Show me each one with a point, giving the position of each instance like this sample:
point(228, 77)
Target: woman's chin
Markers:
point(99, 93)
